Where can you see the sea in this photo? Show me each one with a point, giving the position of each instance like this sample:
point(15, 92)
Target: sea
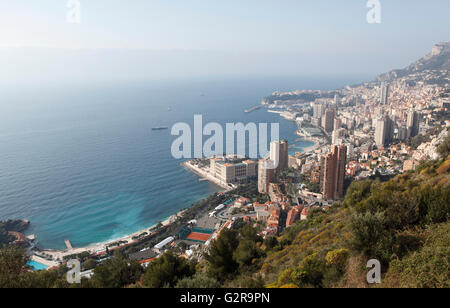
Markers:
point(81, 161)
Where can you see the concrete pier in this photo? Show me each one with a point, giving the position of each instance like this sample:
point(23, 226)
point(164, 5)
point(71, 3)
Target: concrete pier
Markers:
point(68, 244)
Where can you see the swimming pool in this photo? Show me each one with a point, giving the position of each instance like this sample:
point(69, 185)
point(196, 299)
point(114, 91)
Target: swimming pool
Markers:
point(37, 266)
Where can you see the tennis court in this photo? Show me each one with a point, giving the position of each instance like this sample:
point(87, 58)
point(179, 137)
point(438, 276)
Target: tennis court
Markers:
point(198, 237)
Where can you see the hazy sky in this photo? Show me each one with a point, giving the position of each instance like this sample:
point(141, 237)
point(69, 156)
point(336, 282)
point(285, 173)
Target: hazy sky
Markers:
point(182, 38)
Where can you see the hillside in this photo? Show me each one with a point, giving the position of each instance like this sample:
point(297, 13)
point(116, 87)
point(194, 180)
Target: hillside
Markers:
point(438, 59)
point(402, 222)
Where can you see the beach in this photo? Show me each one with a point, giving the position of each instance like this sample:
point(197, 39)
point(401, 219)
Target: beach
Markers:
point(58, 255)
point(98, 248)
point(116, 176)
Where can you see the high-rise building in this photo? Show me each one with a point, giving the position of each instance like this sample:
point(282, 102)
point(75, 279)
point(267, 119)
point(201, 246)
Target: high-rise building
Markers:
point(384, 131)
point(350, 150)
point(279, 152)
point(412, 124)
point(337, 123)
point(275, 152)
point(318, 110)
point(328, 119)
point(327, 167)
point(336, 100)
point(268, 168)
point(332, 172)
point(341, 153)
point(384, 94)
point(379, 132)
point(402, 133)
point(266, 173)
point(284, 155)
point(337, 136)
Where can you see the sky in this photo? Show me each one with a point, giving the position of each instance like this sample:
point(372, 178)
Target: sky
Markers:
point(199, 38)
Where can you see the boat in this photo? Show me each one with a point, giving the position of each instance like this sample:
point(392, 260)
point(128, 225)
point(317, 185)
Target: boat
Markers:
point(160, 128)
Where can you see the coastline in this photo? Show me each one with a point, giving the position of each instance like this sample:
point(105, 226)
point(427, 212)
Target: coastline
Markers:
point(317, 144)
point(98, 248)
point(316, 140)
point(311, 148)
point(204, 174)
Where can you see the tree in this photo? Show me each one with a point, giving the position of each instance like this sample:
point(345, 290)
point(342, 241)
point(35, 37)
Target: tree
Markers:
point(116, 272)
point(357, 192)
point(220, 255)
point(89, 264)
point(270, 242)
point(370, 236)
point(314, 213)
point(337, 258)
point(438, 203)
point(309, 272)
point(249, 233)
point(14, 274)
point(246, 252)
point(12, 262)
point(54, 278)
point(167, 270)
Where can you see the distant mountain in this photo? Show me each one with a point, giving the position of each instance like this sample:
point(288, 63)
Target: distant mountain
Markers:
point(438, 59)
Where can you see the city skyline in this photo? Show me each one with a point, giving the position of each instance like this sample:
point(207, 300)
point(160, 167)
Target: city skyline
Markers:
point(136, 153)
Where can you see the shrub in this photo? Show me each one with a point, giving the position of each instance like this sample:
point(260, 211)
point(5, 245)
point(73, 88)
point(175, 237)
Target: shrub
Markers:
point(167, 270)
point(427, 267)
point(370, 236)
point(197, 281)
point(309, 272)
point(337, 258)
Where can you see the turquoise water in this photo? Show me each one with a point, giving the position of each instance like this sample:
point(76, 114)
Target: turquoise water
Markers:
point(82, 163)
point(37, 266)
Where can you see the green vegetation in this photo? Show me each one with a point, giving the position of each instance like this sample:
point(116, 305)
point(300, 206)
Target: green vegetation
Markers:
point(12, 265)
point(426, 267)
point(5, 238)
point(313, 187)
point(403, 222)
point(415, 141)
point(116, 272)
point(220, 255)
point(10, 225)
point(233, 258)
point(199, 280)
point(167, 270)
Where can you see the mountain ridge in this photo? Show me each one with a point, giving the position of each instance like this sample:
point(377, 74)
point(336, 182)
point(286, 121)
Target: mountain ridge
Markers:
point(437, 59)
